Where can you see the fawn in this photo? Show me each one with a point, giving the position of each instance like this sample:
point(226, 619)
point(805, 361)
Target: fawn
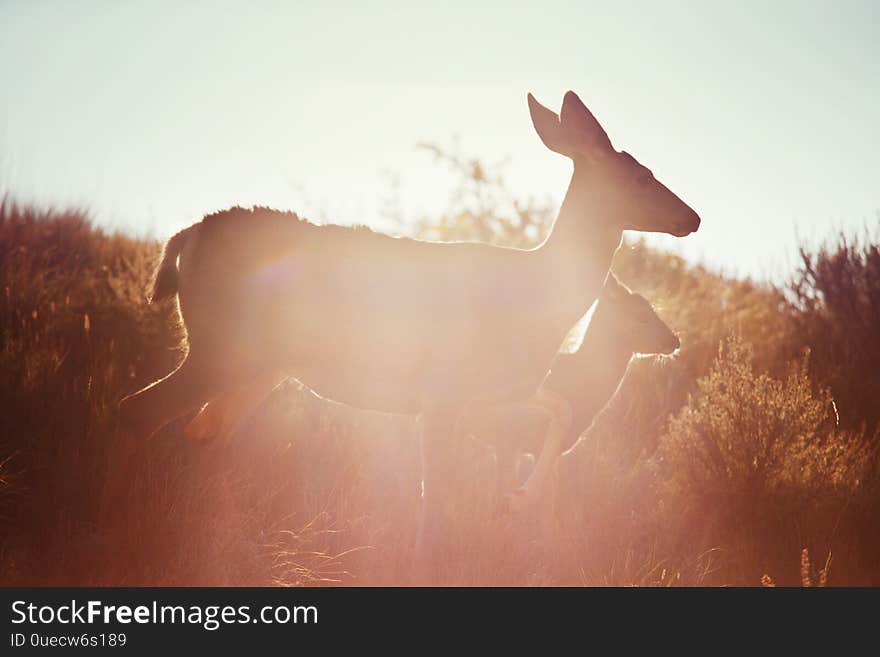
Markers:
point(623, 324)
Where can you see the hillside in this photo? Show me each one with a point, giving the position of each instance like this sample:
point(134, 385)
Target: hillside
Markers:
point(716, 466)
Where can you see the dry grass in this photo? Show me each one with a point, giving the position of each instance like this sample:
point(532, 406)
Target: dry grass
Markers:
point(718, 466)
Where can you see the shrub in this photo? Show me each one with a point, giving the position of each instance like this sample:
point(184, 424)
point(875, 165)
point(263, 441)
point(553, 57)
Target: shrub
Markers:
point(759, 462)
point(834, 304)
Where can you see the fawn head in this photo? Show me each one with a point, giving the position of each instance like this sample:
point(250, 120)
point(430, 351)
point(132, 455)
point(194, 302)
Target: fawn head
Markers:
point(632, 318)
point(628, 193)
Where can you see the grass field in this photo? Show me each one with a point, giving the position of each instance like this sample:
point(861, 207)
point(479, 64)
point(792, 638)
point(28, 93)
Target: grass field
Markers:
point(718, 466)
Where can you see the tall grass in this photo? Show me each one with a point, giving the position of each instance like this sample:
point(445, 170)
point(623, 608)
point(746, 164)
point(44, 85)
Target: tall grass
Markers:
point(717, 466)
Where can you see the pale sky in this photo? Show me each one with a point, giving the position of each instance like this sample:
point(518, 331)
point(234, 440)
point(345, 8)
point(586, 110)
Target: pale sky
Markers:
point(763, 116)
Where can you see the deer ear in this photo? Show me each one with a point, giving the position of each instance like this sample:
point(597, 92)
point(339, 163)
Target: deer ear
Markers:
point(581, 127)
point(548, 127)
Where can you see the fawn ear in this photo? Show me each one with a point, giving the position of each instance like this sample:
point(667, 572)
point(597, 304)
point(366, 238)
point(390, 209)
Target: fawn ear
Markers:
point(581, 128)
point(548, 127)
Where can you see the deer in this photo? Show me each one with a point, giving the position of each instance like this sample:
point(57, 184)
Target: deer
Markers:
point(623, 324)
point(395, 324)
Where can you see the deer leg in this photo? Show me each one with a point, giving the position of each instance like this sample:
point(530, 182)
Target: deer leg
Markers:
point(505, 464)
point(195, 381)
point(560, 423)
point(222, 417)
point(209, 420)
point(525, 466)
point(143, 413)
point(436, 431)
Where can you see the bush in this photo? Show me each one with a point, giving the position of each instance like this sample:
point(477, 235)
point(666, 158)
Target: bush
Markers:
point(759, 462)
point(834, 304)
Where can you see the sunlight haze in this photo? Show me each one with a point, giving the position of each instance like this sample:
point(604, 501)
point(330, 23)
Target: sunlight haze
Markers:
point(762, 118)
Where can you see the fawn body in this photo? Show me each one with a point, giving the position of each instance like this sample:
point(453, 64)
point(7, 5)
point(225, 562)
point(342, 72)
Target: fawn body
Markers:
point(623, 324)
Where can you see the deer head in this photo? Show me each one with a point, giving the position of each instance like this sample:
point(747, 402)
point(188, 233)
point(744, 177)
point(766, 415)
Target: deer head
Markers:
point(630, 197)
point(633, 320)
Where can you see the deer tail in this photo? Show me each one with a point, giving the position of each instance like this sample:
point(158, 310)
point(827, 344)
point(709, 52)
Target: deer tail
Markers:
point(165, 280)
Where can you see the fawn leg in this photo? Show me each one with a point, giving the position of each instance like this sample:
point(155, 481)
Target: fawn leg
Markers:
point(560, 423)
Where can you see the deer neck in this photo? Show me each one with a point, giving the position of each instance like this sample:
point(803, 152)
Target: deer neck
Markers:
point(584, 226)
point(582, 243)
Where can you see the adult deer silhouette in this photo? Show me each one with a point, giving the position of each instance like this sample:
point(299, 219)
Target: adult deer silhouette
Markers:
point(623, 324)
point(396, 324)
